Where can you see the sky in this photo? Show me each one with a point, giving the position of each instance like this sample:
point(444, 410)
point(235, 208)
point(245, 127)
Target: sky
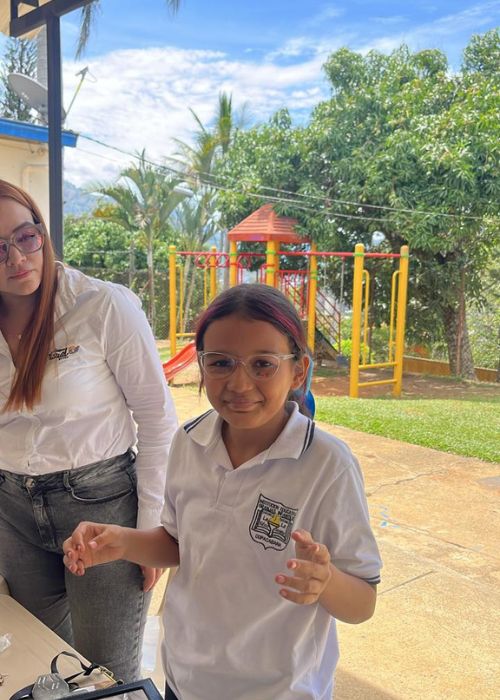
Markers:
point(147, 67)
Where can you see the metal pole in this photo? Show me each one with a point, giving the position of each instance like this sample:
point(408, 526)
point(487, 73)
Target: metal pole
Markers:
point(311, 298)
point(357, 303)
point(401, 319)
point(55, 135)
point(172, 298)
point(233, 263)
point(213, 273)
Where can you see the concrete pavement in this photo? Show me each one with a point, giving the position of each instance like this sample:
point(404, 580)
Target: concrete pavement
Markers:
point(435, 633)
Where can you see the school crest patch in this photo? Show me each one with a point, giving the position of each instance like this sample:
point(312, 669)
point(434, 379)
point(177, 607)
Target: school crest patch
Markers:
point(272, 523)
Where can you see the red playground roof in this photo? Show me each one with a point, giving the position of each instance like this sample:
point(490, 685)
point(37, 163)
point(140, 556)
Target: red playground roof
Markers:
point(265, 225)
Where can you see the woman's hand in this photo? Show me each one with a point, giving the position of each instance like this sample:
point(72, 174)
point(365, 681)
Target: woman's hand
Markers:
point(151, 577)
point(311, 570)
point(92, 544)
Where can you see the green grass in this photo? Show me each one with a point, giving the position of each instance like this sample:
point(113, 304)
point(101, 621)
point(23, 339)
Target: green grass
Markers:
point(164, 354)
point(469, 428)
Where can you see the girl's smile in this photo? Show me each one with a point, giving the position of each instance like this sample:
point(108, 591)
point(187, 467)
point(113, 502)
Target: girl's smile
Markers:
point(253, 409)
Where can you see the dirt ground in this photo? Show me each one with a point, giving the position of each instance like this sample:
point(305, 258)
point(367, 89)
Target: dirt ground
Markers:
point(414, 386)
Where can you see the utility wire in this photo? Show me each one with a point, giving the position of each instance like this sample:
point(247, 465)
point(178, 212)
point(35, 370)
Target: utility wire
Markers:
point(297, 203)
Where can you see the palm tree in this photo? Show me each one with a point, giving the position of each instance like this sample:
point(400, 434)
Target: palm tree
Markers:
point(211, 144)
point(144, 201)
point(195, 225)
point(89, 16)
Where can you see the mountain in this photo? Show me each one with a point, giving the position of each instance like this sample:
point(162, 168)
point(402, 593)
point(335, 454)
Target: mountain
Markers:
point(78, 202)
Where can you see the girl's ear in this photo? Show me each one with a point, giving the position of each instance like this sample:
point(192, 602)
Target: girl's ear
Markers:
point(300, 372)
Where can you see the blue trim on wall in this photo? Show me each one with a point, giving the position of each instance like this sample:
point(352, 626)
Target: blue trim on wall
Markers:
point(33, 132)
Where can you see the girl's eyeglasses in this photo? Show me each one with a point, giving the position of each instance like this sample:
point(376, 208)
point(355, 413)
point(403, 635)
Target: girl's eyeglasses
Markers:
point(220, 365)
point(28, 239)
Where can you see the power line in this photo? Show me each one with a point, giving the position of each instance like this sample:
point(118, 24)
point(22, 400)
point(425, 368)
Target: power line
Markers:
point(297, 203)
point(268, 198)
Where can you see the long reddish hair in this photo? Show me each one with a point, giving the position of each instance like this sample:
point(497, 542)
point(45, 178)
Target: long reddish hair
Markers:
point(38, 336)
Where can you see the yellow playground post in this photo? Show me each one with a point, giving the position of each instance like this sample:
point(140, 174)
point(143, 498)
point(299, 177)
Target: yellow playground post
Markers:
point(172, 287)
point(304, 289)
point(397, 323)
point(213, 272)
point(311, 297)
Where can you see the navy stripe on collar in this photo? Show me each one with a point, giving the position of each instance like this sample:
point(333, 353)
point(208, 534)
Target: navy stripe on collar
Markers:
point(308, 437)
point(193, 423)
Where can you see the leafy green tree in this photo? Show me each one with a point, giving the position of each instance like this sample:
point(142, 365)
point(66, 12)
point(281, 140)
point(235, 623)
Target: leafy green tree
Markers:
point(144, 201)
point(404, 147)
point(19, 57)
point(194, 225)
point(408, 135)
point(96, 243)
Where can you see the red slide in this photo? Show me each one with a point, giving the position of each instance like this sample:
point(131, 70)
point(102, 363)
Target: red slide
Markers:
point(179, 361)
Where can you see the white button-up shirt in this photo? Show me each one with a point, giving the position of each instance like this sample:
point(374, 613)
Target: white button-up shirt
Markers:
point(103, 392)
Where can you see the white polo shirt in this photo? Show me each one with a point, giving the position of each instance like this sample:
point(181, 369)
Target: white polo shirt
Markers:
point(229, 635)
point(103, 392)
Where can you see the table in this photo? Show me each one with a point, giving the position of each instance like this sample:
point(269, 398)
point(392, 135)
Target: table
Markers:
point(33, 647)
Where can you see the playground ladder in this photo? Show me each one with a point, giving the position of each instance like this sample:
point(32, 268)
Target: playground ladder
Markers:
point(328, 319)
point(293, 283)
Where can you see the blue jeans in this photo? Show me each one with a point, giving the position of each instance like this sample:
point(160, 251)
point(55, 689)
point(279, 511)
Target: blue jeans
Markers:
point(101, 614)
point(169, 694)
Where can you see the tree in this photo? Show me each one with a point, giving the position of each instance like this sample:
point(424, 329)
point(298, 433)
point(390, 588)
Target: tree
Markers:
point(89, 16)
point(406, 135)
point(145, 199)
point(199, 161)
point(19, 57)
point(90, 242)
point(404, 147)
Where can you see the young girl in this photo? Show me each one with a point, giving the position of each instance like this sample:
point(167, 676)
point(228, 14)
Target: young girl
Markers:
point(265, 515)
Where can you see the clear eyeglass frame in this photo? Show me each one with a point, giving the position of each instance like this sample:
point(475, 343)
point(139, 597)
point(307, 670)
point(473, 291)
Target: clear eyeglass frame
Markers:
point(260, 366)
point(16, 240)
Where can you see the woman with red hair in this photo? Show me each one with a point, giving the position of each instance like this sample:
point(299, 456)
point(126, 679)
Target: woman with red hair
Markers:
point(86, 421)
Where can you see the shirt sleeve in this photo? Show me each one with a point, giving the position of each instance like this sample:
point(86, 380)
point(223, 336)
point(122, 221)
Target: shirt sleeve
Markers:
point(132, 356)
point(345, 523)
point(175, 459)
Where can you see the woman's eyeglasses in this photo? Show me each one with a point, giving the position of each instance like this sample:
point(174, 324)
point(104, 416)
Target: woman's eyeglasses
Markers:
point(220, 365)
point(28, 239)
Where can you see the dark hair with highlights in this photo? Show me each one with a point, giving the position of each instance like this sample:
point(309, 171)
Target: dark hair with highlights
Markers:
point(38, 336)
point(260, 302)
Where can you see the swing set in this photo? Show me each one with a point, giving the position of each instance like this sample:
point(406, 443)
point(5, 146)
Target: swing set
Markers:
point(316, 289)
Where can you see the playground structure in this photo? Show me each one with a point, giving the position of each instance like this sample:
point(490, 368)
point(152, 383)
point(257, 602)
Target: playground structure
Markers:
point(308, 288)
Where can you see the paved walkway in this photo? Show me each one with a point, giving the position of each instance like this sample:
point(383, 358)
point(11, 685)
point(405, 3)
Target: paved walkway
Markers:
point(436, 631)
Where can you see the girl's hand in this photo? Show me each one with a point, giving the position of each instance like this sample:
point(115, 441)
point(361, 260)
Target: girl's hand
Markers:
point(311, 570)
point(151, 577)
point(92, 544)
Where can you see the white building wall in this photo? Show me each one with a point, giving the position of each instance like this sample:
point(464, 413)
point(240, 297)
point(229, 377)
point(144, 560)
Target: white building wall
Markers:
point(26, 164)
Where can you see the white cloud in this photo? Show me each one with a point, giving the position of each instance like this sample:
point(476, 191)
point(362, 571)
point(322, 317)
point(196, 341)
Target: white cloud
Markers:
point(448, 30)
point(324, 15)
point(141, 99)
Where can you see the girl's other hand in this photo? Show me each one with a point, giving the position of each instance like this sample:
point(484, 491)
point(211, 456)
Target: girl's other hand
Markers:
point(311, 570)
point(92, 544)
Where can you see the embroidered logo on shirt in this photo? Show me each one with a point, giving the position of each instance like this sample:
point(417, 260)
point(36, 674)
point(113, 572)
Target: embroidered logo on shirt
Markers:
point(63, 353)
point(272, 523)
